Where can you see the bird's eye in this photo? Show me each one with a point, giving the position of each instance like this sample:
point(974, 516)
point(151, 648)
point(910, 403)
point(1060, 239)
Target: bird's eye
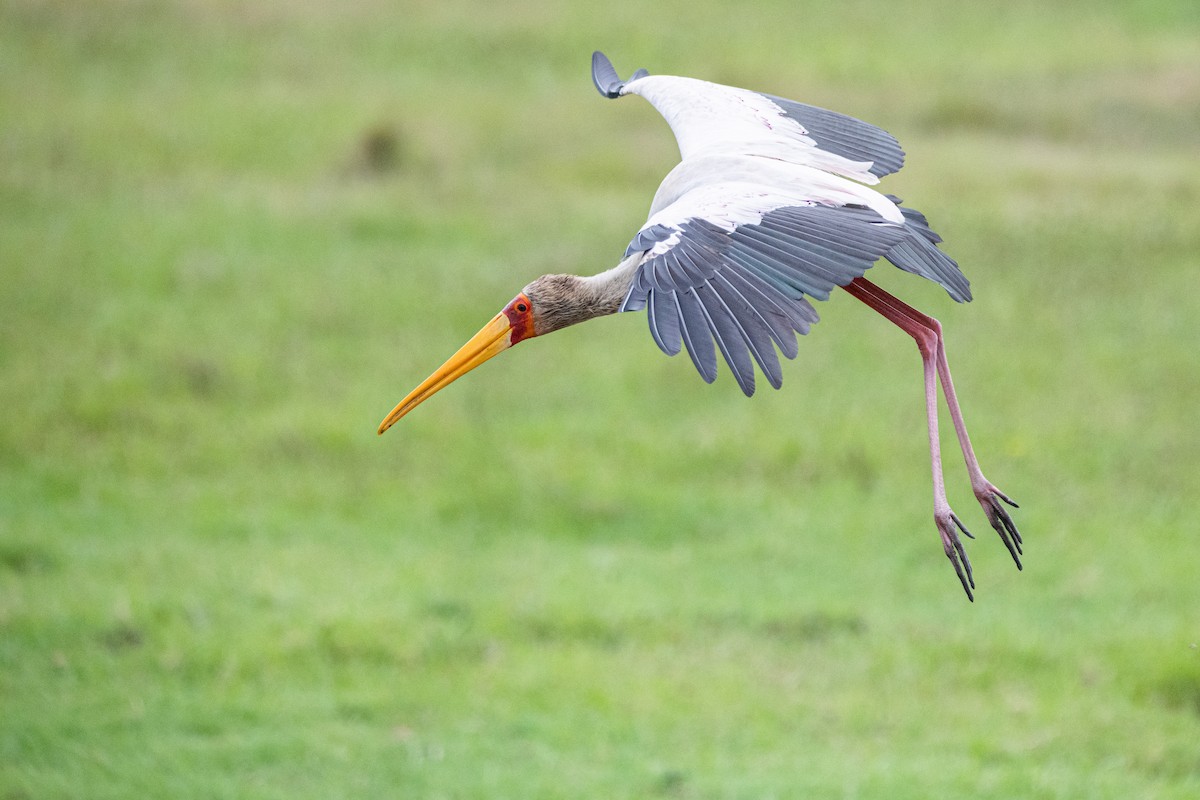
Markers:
point(522, 307)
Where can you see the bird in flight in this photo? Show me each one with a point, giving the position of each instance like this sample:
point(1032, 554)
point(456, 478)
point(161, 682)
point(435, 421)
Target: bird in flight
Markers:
point(771, 206)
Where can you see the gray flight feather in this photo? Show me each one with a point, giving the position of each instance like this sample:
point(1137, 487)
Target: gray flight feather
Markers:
point(647, 238)
point(919, 255)
point(846, 136)
point(744, 289)
point(663, 315)
point(694, 328)
point(754, 330)
point(604, 75)
point(728, 335)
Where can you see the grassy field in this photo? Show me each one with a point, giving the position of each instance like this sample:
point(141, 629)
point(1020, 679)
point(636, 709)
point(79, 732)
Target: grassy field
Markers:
point(234, 234)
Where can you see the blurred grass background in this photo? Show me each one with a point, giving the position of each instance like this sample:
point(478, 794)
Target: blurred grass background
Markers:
point(233, 234)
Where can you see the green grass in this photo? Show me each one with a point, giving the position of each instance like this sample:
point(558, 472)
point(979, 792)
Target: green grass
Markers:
point(233, 234)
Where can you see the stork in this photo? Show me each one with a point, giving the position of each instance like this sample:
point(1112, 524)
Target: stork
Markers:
point(770, 206)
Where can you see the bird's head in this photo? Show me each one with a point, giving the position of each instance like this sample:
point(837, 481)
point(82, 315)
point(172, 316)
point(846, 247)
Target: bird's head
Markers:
point(549, 303)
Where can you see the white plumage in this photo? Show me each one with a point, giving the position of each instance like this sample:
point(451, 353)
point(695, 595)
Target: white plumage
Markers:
point(711, 119)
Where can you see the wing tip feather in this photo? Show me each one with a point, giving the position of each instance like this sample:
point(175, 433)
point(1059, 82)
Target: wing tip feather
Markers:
point(606, 79)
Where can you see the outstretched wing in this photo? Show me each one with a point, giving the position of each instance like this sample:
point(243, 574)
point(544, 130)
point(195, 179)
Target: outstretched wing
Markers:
point(758, 217)
point(709, 118)
point(732, 264)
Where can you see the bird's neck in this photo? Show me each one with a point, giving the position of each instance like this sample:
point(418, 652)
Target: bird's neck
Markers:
point(562, 300)
point(606, 291)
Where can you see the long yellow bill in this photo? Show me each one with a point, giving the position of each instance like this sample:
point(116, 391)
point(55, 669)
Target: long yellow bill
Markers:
point(494, 338)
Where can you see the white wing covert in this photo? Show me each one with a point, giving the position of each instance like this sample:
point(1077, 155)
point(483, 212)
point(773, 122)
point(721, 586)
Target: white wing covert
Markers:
point(709, 118)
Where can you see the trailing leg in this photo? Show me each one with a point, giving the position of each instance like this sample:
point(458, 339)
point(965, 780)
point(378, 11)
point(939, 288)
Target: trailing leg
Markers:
point(948, 523)
point(928, 334)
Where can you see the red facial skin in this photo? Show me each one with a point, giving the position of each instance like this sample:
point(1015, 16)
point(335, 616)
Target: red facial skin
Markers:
point(520, 318)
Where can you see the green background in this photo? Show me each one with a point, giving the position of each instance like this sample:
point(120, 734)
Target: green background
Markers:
point(234, 234)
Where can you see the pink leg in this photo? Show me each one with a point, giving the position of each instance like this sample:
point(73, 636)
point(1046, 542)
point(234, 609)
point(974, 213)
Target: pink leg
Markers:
point(927, 332)
point(986, 493)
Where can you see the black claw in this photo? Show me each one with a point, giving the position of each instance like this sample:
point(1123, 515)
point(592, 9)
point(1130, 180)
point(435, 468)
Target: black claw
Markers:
point(1016, 535)
point(958, 558)
point(961, 527)
point(1006, 499)
point(965, 560)
point(1017, 560)
point(1003, 523)
point(1009, 525)
point(1007, 530)
point(963, 579)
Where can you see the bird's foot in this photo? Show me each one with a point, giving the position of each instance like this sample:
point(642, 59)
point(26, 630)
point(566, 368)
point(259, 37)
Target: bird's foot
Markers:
point(949, 525)
point(990, 498)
